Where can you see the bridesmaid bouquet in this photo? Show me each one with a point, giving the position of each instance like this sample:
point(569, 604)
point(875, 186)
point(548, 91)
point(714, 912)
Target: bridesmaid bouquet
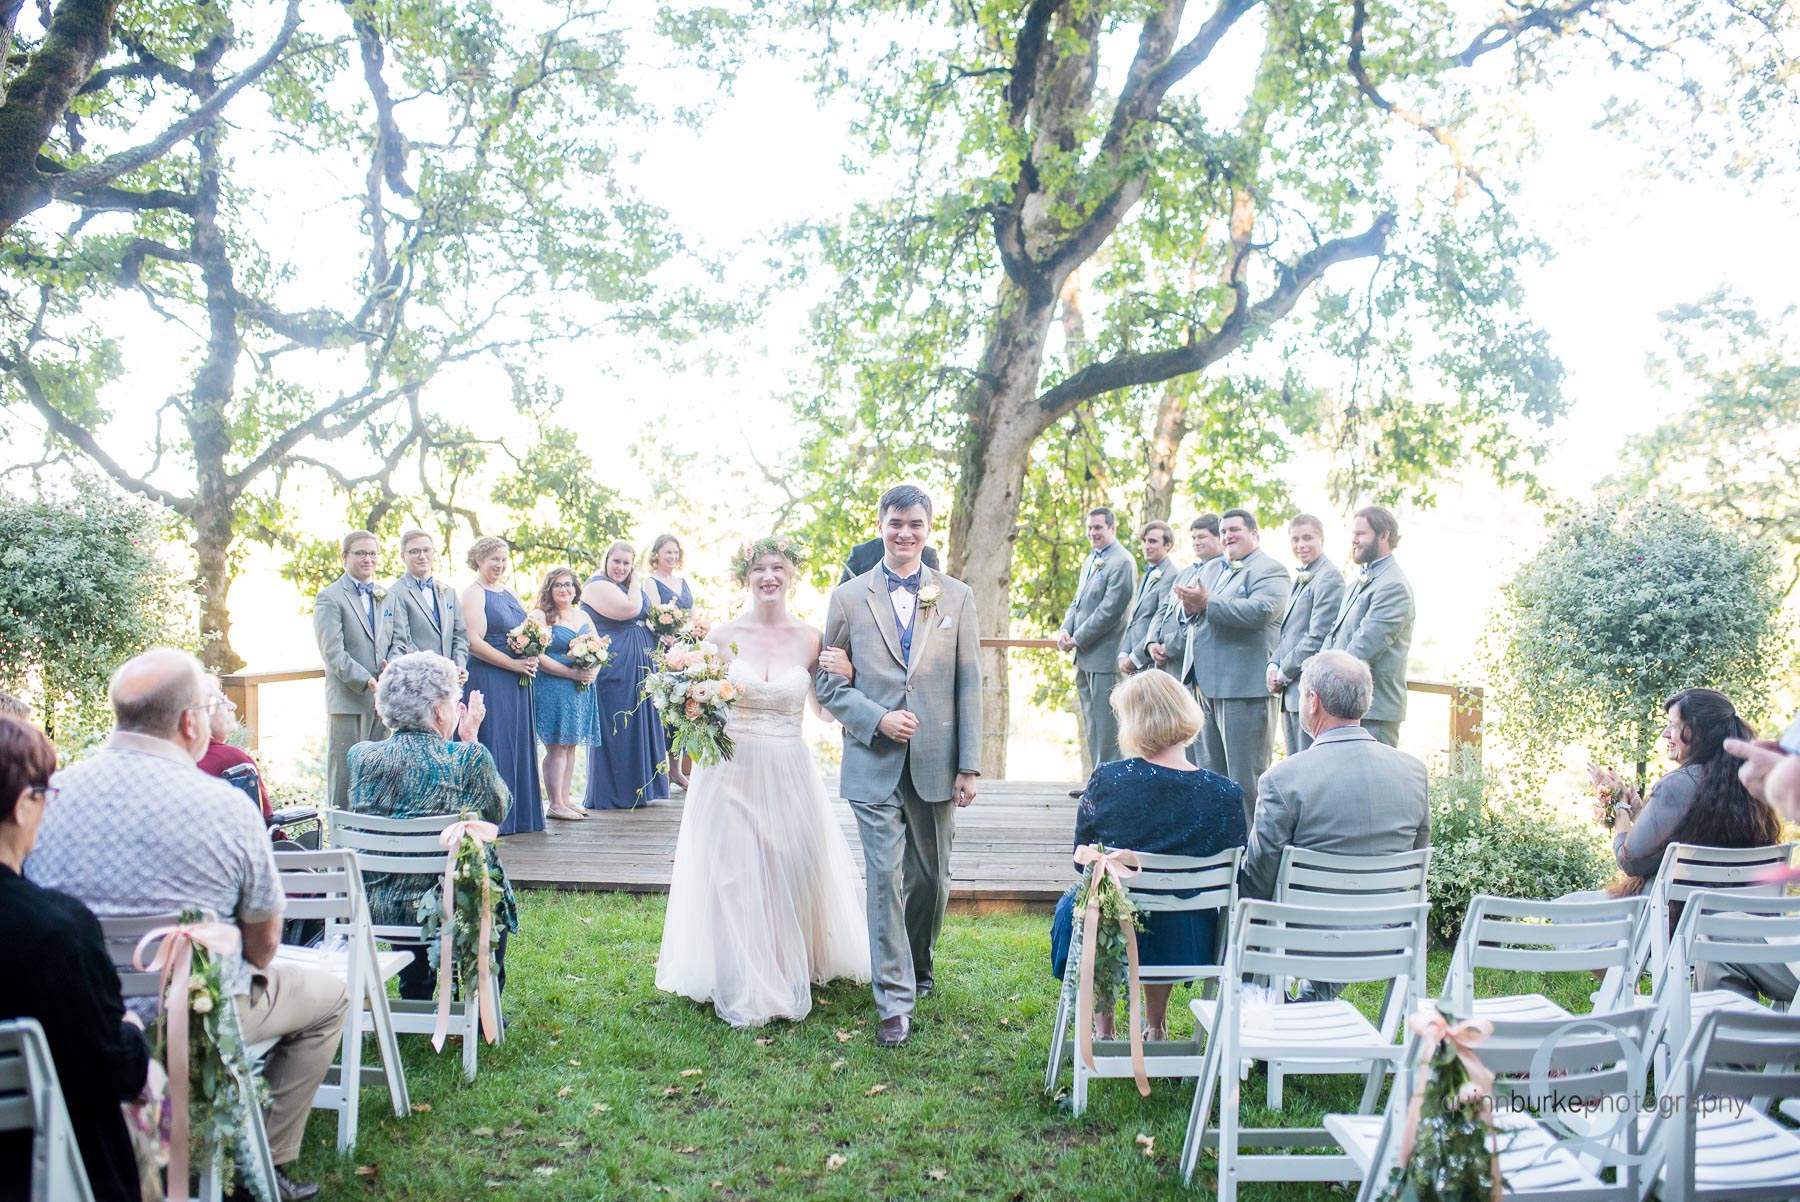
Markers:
point(589, 650)
point(525, 640)
point(667, 621)
point(687, 683)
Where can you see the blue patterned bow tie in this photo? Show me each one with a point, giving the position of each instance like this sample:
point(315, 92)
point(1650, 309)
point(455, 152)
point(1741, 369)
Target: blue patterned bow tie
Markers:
point(909, 583)
point(365, 588)
point(425, 585)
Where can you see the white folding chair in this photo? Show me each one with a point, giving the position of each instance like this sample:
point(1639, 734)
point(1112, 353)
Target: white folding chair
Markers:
point(410, 846)
point(326, 886)
point(1517, 935)
point(1557, 1133)
point(1342, 946)
point(1713, 1142)
point(121, 933)
point(1212, 881)
point(1725, 927)
point(1689, 866)
point(1338, 882)
point(31, 1100)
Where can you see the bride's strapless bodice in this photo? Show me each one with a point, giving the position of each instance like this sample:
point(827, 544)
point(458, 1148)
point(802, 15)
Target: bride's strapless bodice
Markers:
point(768, 707)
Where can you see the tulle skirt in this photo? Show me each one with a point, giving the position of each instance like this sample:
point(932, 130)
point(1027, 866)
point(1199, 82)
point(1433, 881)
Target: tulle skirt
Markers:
point(764, 899)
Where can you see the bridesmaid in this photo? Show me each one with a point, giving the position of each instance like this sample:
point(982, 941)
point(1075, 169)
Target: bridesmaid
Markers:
point(567, 717)
point(666, 559)
point(509, 731)
point(623, 771)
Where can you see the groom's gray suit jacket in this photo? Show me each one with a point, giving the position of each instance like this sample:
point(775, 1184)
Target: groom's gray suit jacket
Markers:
point(941, 684)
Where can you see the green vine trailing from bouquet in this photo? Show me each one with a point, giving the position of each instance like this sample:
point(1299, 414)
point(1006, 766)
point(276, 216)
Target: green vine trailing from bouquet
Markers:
point(1108, 952)
point(1447, 1150)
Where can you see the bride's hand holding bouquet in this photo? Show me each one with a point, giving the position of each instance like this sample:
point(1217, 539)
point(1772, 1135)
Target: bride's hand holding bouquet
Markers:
point(687, 683)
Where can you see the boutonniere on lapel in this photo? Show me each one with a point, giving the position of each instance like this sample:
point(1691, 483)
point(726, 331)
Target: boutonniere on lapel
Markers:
point(379, 593)
point(1233, 567)
point(1154, 576)
point(1302, 579)
point(928, 596)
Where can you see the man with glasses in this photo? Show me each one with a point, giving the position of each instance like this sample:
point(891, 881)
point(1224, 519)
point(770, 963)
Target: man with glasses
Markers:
point(353, 619)
point(427, 616)
point(221, 755)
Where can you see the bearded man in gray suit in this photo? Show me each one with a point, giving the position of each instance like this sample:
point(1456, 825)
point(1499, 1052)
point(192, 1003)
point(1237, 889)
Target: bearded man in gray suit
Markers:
point(1092, 628)
point(1231, 618)
point(1156, 540)
point(427, 615)
point(912, 746)
point(1312, 607)
point(353, 621)
point(1375, 621)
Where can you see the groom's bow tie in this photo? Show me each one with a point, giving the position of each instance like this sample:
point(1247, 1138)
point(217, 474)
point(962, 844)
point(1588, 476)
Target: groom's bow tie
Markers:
point(909, 583)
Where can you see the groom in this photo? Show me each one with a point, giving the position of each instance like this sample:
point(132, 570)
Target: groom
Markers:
point(913, 721)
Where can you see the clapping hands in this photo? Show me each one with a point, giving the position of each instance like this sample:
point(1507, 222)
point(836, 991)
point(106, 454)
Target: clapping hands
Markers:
point(1616, 802)
point(469, 716)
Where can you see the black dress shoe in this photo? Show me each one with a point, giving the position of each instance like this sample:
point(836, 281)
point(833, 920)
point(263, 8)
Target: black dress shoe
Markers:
point(893, 1032)
point(1076, 792)
point(290, 1190)
point(926, 988)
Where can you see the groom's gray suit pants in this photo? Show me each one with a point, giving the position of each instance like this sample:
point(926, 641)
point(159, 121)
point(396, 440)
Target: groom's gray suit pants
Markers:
point(906, 864)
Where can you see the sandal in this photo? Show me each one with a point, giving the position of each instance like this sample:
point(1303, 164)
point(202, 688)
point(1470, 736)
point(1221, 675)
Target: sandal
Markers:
point(569, 815)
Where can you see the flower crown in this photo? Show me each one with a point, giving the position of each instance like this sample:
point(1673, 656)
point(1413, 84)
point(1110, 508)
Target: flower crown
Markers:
point(747, 554)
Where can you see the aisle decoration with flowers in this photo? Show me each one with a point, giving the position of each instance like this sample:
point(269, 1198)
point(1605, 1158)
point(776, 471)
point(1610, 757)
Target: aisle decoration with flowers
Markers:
point(1108, 951)
point(589, 650)
point(687, 683)
point(525, 640)
point(1448, 1145)
point(212, 1082)
point(464, 948)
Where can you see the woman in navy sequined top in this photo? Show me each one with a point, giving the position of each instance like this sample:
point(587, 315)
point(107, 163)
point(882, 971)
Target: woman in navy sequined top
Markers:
point(1156, 802)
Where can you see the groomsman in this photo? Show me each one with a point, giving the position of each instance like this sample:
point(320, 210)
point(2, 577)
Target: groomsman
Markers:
point(1375, 621)
point(1156, 540)
point(1232, 617)
point(427, 616)
point(1166, 634)
point(1312, 608)
point(1093, 627)
point(352, 619)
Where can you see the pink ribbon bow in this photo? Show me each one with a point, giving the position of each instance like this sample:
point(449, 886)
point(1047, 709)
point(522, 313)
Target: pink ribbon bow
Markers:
point(451, 837)
point(1430, 1025)
point(1121, 866)
point(174, 959)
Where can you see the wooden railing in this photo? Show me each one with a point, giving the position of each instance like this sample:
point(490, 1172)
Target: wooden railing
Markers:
point(1465, 700)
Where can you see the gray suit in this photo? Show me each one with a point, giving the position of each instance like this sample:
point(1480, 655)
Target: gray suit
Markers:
point(901, 792)
point(350, 649)
point(1152, 591)
point(1346, 794)
point(1096, 621)
point(1166, 628)
point(1312, 609)
point(1375, 624)
point(416, 628)
point(1227, 657)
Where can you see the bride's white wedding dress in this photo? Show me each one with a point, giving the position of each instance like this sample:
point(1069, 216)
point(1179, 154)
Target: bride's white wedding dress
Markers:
point(764, 899)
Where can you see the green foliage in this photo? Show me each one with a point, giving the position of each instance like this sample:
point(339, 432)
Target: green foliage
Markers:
point(81, 590)
point(558, 512)
point(1619, 610)
point(1453, 1158)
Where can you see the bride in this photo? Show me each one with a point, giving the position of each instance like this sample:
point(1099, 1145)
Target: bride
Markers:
point(764, 899)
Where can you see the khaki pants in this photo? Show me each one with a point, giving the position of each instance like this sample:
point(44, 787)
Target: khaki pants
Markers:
point(305, 1010)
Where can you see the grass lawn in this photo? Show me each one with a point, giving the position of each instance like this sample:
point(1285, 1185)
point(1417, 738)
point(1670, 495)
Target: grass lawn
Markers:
point(607, 1089)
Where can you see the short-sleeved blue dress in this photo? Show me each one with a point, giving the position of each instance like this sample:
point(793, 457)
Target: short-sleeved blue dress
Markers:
point(622, 767)
point(566, 713)
point(1165, 811)
point(509, 731)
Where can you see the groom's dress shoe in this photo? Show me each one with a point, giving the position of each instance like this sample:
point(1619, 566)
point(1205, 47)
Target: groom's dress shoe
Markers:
point(893, 1032)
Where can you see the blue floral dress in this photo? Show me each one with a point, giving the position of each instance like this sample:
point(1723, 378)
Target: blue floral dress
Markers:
point(566, 713)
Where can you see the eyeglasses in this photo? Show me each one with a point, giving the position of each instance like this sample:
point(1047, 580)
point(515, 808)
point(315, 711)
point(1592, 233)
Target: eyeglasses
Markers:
point(365, 555)
point(43, 793)
point(207, 707)
point(426, 550)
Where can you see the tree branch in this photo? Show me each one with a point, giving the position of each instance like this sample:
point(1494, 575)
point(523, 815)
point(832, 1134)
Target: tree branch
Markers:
point(76, 38)
point(132, 261)
point(1555, 18)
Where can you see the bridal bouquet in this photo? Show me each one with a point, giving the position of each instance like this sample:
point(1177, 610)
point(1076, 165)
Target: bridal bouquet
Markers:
point(667, 621)
point(525, 640)
point(589, 650)
point(687, 683)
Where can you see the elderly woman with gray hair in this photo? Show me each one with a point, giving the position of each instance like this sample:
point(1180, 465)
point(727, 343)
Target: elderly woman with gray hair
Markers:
point(418, 772)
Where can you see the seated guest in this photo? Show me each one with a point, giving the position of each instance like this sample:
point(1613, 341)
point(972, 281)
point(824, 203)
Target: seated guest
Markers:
point(417, 772)
point(221, 755)
point(12, 707)
point(1347, 793)
point(1703, 801)
point(70, 987)
point(138, 829)
point(1155, 801)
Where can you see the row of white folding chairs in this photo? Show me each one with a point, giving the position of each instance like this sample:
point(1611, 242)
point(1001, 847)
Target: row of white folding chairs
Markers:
point(31, 1100)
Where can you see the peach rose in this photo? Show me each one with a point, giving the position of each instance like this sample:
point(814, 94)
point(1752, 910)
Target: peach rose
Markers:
point(675, 659)
point(727, 691)
point(703, 691)
point(691, 709)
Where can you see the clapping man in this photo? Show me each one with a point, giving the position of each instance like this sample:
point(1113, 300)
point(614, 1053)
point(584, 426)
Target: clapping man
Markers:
point(1375, 621)
point(352, 620)
point(1093, 627)
point(1312, 607)
point(1232, 617)
point(427, 616)
point(1166, 635)
point(1156, 540)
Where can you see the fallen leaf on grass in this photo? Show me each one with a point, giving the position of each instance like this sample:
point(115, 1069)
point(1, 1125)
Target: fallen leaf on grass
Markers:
point(567, 1143)
point(1006, 1022)
point(845, 1036)
point(874, 1089)
point(936, 1174)
point(572, 977)
point(587, 922)
point(599, 1108)
point(763, 1043)
point(366, 1170)
point(672, 1092)
point(565, 1091)
point(574, 1064)
point(690, 1072)
point(836, 1161)
point(545, 1170)
point(687, 1151)
point(514, 1129)
point(717, 1184)
point(837, 1064)
point(479, 1131)
point(421, 1107)
point(1148, 1144)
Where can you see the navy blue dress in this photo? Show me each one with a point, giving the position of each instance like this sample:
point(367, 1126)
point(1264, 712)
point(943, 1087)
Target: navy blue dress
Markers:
point(509, 731)
point(1165, 811)
point(666, 595)
point(622, 769)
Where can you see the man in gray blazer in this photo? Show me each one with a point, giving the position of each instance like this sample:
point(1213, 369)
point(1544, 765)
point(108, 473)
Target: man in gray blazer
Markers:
point(353, 619)
point(1346, 794)
point(427, 615)
point(1166, 634)
point(1375, 621)
point(912, 746)
point(1156, 539)
point(1312, 607)
point(1093, 627)
point(1230, 617)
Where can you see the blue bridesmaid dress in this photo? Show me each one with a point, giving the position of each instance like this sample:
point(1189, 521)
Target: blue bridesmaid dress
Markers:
point(665, 595)
point(623, 769)
point(509, 731)
point(566, 713)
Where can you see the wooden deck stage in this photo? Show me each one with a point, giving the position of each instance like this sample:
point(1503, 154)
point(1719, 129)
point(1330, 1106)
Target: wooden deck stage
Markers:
point(1012, 848)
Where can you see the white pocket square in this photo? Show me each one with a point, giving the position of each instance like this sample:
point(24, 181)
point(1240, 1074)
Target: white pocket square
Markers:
point(944, 624)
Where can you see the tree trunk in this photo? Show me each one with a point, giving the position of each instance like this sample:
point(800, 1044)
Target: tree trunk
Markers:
point(212, 547)
point(1165, 450)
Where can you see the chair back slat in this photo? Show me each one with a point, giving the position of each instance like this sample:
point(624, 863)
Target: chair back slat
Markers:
point(1326, 879)
point(1553, 933)
point(1743, 1055)
point(1340, 945)
point(121, 933)
point(1211, 881)
point(1734, 927)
